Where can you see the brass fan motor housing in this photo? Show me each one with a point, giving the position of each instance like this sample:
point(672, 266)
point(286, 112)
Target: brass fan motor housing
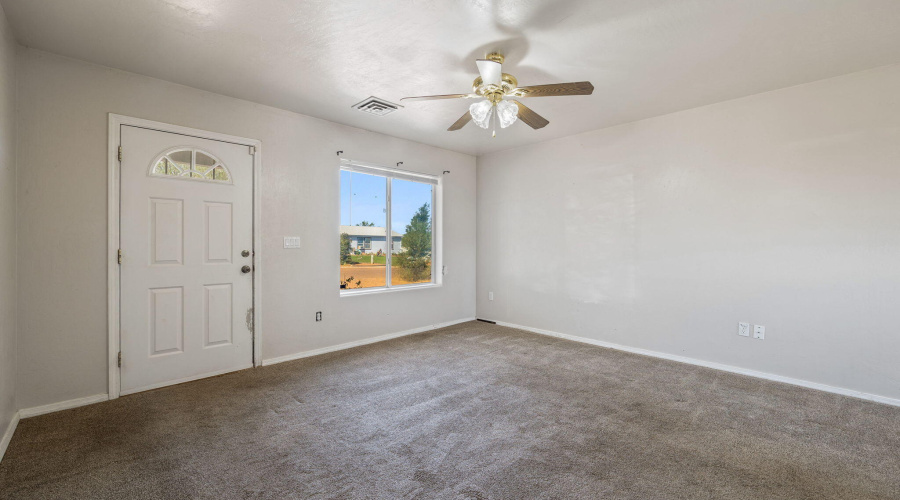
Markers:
point(494, 93)
point(509, 81)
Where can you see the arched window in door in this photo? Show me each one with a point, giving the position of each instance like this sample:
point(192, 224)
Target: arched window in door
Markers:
point(194, 164)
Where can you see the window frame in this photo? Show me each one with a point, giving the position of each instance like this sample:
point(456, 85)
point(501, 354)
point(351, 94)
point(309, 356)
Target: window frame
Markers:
point(390, 174)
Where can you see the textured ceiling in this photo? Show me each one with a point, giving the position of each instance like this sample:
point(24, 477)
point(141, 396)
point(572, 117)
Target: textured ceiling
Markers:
point(318, 57)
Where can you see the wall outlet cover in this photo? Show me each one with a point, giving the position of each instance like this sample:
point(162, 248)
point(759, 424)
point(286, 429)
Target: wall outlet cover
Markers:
point(759, 332)
point(744, 329)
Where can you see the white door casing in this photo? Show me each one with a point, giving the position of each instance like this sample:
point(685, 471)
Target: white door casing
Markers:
point(184, 301)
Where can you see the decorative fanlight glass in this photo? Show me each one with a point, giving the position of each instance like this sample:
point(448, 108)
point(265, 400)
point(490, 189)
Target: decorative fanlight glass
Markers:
point(190, 164)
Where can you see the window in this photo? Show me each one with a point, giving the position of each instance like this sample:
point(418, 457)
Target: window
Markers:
point(390, 215)
point(190, 164)
point(411, 232)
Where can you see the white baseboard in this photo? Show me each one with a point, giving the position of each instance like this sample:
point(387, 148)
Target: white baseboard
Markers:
point(709, 364)
point(62, 405)
point(357, 343)
point(7, 436)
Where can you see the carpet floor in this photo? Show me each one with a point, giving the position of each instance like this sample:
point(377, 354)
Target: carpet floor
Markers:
point(472, 411)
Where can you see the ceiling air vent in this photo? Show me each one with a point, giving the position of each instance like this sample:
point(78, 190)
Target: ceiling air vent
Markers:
point(376, 106)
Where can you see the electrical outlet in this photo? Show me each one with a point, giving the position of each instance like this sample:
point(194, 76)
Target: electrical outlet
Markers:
point(319, 316)
point(744, 329)
point(490, 295)
point(759, 332)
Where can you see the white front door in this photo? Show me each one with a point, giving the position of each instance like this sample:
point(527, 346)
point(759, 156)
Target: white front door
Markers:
point(186, 234)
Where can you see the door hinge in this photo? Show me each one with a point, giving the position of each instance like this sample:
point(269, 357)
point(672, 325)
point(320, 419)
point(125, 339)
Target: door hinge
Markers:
point(120, 153)
point(120, 257)
point(120, 359)
point(252, 150)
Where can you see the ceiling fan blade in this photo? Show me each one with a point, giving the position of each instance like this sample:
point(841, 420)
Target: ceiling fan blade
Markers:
point(436, 97)
point(554, 89)
point(491, 71)
point(530, 118)
point(463, 120)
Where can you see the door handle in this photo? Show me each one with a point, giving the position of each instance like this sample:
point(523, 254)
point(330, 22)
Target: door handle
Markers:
point(245, 253)
point(246, 269)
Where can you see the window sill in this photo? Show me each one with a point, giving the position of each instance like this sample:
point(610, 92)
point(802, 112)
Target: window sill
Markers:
point(401, 288)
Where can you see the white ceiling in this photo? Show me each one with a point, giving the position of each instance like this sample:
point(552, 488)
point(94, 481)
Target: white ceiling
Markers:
point(318, 57)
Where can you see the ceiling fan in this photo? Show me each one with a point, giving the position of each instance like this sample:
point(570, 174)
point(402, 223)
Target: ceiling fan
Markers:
point(498, 90)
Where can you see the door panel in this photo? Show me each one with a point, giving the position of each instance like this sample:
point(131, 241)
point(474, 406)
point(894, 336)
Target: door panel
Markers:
point(186, 216)
point(166, 320)
point(217, 311)
point(218, 233)
point(166, 231)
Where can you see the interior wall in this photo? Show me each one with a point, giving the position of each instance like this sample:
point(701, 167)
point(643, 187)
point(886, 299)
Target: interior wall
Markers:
point(7, 225)
point(63, 206)
point(780, 209)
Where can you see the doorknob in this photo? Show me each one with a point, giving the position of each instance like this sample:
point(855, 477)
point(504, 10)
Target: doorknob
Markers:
point(245, 253)
point(246, 269)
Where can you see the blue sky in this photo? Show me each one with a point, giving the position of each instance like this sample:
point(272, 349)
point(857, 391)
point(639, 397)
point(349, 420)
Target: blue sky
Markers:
point(369, 195)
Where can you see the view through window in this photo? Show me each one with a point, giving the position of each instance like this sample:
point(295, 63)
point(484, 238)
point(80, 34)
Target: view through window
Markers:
point(411, 218)
point(385, 244)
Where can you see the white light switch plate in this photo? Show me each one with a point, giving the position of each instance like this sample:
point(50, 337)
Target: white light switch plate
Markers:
point(744, 329)
point(291, 242)
point(759, 332)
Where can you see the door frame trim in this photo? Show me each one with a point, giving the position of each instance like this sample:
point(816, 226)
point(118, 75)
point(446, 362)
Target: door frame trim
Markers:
point(113, 220)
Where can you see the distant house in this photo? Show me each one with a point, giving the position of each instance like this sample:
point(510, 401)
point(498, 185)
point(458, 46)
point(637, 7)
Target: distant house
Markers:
point(371, 239)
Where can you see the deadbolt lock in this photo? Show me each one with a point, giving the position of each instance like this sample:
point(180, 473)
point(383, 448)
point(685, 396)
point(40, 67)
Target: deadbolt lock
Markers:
point(245, 253)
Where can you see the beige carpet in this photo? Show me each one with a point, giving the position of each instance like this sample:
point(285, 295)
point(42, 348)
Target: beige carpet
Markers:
point(470, 411)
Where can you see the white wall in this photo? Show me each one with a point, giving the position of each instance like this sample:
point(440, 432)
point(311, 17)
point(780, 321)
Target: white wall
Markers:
point(7, 226)
point(781, 209)
point(62, 224)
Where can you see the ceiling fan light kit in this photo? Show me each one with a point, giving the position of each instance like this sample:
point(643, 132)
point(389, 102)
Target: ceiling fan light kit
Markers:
point(485, 112)
point(498, 90)
point(507, 113)
point(481, 113)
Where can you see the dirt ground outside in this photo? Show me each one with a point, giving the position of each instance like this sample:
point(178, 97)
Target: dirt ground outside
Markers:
point(373, 275)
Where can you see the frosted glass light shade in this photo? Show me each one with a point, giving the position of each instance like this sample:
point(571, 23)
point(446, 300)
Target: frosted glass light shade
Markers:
point(507, 112)
point(481, 113)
